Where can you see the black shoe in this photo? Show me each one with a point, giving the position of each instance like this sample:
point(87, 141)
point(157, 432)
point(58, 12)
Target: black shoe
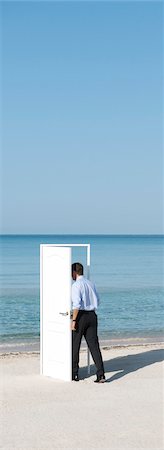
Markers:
point(75, 378)
point(100, 379)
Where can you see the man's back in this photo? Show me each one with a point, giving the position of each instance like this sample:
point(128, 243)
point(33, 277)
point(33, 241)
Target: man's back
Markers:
point(84, 294)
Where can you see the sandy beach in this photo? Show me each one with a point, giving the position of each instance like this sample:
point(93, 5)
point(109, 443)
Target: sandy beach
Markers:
point(124, 413)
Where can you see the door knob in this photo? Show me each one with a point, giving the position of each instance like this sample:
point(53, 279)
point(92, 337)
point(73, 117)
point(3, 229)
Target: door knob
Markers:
point(64, 313)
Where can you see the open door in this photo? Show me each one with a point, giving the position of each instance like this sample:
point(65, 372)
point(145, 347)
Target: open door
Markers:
point(56, 337)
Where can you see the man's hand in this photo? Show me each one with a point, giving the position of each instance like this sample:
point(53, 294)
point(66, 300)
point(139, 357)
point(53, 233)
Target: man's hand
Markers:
point(73, 326)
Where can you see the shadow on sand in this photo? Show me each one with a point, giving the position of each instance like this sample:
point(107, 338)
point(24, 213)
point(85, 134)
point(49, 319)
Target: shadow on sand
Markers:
point(125, 364)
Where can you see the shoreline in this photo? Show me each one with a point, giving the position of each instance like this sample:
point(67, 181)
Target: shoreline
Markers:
point(105, 350)
point(105, 344)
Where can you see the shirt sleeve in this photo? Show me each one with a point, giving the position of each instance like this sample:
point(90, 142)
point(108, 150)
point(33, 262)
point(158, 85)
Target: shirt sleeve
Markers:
point(76, 296)
point(97, 295)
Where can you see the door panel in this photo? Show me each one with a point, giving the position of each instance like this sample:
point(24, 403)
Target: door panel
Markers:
point(56, 306)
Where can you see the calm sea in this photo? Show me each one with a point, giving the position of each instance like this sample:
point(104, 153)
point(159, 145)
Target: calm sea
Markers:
point(128, 272)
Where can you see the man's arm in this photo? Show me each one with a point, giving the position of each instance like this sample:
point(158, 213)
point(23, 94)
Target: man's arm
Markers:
point(75, 313)
point(76, 301)
point(97, 295)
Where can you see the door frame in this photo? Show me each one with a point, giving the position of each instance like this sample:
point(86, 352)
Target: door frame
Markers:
point(41, 293)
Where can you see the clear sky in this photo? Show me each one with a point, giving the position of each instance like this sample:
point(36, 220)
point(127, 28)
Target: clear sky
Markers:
point(81, 117)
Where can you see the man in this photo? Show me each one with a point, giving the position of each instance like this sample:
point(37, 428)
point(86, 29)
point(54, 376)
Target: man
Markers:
point(85, 301)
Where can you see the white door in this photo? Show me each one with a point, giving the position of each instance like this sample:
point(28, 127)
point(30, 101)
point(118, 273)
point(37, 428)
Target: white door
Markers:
point(56, 337)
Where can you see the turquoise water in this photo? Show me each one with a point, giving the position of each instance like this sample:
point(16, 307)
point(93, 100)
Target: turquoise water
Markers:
point(128, 272)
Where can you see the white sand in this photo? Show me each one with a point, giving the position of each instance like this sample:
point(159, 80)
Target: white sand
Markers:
point(124, 413)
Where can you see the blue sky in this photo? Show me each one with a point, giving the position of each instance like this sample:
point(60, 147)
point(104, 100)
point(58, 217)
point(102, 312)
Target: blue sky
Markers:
point(81, 117)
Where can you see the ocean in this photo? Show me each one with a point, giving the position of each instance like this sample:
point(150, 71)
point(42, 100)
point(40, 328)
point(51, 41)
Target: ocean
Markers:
point(128, 273)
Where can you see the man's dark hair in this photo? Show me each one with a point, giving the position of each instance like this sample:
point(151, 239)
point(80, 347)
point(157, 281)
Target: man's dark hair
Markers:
point(78, 268)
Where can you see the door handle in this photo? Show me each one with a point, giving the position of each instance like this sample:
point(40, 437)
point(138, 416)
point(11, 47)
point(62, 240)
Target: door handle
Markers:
point(64, 313)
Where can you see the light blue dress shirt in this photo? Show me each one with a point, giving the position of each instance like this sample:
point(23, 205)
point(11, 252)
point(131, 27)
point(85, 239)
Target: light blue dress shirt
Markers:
point(84, 295)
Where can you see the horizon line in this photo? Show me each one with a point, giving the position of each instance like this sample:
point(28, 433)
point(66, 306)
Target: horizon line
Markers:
point(81, 234)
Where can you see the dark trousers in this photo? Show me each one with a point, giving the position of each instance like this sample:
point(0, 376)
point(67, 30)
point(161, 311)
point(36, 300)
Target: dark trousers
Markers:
point(86, 325)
